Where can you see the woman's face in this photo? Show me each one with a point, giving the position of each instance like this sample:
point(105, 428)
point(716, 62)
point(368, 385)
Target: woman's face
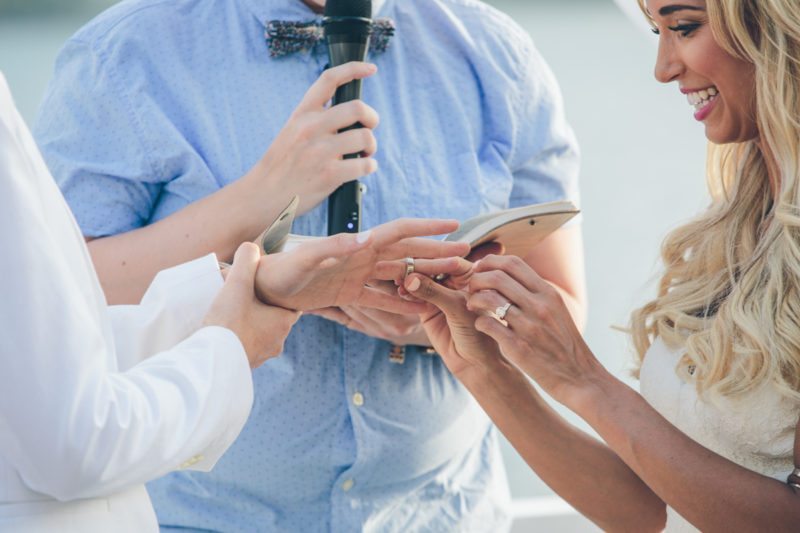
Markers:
point(719, 87)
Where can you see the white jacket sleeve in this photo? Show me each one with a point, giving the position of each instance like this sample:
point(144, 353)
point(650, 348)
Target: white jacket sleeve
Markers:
point(71, 424)
point(172, 309)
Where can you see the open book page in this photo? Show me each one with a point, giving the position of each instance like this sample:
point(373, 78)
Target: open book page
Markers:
point(518, 229)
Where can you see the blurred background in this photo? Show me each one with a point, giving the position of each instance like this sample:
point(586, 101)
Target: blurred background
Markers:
point(643, 158)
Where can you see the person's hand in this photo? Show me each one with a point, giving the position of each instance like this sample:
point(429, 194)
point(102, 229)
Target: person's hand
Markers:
point(395, 325)
point(540, 338)
point(398, 328)
point(262, 329)
point(305, 159)
point(450, 326)
point(334, 271)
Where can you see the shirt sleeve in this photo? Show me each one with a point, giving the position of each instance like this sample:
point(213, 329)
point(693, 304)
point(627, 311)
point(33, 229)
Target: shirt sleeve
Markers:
point(544, 155)
point(71, 424)
point(114, 134)
point(90, 133)
point(171, 310)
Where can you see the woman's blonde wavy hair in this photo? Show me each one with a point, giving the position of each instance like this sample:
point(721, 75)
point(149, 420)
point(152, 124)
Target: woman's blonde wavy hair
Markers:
point(730, 292)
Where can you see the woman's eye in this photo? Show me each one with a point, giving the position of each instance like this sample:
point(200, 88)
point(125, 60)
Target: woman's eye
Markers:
point(685, 29)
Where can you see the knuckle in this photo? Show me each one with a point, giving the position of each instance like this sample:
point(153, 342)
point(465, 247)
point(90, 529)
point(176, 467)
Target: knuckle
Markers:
point(329, 76)
point(360, 109)
point(494, 277)
point(365, 136)
point(515, 261)
point(427, 291)
point(540, 312)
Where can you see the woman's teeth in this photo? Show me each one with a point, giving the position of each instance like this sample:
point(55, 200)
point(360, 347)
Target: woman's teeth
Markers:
point(700, 98)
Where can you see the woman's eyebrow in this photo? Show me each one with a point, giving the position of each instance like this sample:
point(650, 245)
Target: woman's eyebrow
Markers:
point(668, 10)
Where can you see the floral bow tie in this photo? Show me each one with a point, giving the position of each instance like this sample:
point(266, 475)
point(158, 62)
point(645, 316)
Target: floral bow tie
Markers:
point(287, 37)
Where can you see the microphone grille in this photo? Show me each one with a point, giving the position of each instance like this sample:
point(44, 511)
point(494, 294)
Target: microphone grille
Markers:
point(349, 8)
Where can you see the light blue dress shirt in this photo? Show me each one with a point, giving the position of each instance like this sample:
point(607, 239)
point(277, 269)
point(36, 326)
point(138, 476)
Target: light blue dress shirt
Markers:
point(157, 103)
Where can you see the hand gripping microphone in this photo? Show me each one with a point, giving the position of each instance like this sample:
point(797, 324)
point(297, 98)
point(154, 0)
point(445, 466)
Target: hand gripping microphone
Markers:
point(347, 25)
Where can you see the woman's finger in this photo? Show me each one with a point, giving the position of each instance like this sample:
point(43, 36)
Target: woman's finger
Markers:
point(397, 230)
point(502, 283)
point(489, 302)
point(391, 303)
point(396, 270)
point(358, 141)
point(424, 248)
point(451, 302)
point(313, 253)
point(502, 335)
point(515, 267)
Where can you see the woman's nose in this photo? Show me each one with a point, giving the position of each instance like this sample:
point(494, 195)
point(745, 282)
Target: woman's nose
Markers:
point(668, 66)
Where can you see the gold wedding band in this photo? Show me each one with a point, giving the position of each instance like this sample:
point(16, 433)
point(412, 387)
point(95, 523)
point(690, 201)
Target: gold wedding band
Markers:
point(409, 266)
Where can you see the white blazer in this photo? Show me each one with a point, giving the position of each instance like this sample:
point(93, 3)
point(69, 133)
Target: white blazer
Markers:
point(86, 417)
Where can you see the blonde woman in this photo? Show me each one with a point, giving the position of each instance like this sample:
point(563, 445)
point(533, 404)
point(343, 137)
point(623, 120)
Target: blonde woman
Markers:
point(712, 442)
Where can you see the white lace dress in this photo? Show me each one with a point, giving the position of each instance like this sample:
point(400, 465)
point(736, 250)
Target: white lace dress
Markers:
point(755, 431)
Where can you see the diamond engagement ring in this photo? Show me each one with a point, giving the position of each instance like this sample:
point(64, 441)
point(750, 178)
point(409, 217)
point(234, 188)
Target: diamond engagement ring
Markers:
point(409, 266)
point(501, 311)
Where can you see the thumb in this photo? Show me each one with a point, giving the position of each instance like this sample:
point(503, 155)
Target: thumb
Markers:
point(245, 264)
point(450, 301)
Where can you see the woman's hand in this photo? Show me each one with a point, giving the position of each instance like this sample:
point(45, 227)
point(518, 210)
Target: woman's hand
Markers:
point(334, 271)
point(305, 159)
point(451, 327)
point(262, 329)
point(541, 337)
point(394, 325)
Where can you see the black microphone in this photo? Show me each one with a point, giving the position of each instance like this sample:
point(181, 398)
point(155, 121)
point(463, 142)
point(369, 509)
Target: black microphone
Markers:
point(348, 26)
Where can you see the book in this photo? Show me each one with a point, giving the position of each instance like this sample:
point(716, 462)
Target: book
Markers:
point(518, 229)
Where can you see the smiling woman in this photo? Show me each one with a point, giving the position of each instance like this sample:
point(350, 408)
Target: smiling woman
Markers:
point(713, 441)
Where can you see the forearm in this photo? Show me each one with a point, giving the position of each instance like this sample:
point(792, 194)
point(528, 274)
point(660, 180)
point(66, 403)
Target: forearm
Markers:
point(710, 491)
point(582, 470)
point(126, 263)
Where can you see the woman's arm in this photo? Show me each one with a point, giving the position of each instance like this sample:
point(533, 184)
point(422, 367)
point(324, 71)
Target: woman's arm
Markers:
point(304, 160)
point(710, 491)
point(582, 470)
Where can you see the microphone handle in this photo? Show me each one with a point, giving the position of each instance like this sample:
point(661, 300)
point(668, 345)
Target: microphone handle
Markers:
point(344, 204)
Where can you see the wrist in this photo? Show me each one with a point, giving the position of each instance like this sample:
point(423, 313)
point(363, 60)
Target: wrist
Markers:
point(490, 373)
point(598, 397)
point(260, 198)
point(262, 288)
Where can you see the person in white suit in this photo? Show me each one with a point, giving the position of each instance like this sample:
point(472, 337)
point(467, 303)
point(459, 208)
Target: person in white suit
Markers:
point(95, 401)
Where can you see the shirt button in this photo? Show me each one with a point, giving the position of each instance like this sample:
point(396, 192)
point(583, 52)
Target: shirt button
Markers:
point(358, 399)
point(347, 484)
point(191, 462)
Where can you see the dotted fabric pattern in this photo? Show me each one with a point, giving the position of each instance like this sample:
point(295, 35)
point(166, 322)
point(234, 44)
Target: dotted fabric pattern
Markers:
point(158, 103)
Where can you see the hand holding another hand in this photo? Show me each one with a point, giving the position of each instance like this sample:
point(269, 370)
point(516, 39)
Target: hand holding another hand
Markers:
point(335, 271)
point(450, 326)
point(262, 329)
point(540, 337)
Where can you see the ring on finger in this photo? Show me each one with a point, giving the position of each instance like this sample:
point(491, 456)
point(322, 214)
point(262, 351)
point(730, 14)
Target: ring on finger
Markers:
point(502, 310)
point(409, 266)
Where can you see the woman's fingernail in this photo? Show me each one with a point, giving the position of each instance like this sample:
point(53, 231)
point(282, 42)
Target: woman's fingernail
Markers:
point(414, 284)
point(363, 236)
